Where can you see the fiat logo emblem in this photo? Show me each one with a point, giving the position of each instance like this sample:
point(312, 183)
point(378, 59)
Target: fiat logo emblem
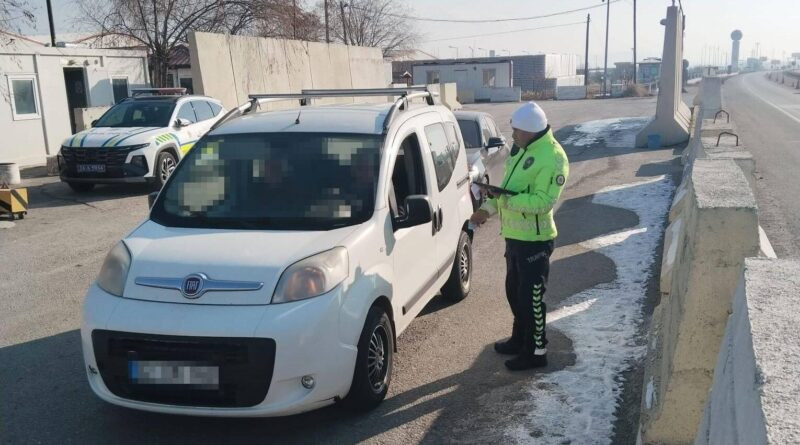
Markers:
point(192, 286)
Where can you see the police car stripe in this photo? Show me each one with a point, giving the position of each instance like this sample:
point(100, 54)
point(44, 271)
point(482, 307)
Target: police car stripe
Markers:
point(130, 136)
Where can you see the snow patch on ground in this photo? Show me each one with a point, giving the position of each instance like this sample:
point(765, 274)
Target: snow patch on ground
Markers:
point(578, 403)
point(611, 133)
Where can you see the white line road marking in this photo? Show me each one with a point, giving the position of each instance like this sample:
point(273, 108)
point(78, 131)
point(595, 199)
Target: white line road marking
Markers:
point(752, 93)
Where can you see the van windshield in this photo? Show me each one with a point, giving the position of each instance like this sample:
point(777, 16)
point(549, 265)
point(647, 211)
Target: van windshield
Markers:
point(138, 113)
point(277, 181)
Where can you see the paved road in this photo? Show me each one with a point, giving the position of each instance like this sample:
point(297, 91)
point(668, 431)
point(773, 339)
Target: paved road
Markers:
point(449, 386)
point(767, 116)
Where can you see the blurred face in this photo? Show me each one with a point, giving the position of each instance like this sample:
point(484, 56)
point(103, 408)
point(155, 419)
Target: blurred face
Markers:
point(521, 137)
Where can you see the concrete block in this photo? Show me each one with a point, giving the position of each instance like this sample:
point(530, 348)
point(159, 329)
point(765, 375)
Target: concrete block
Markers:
point(85, 116)
point(571, 92)
point(247, 65)
point(679, 201)
point(755, 395)
point(709, 97)
point(721, 229)
point(330, 69)
point(673, 117)
point(448, 95)
point(713, 129)
point(275, 69)
point(212, 72)
point(368, 70)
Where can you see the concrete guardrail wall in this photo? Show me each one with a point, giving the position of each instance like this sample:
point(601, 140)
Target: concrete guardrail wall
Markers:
point(755, 398)
point(713, 228)
point(231, 67)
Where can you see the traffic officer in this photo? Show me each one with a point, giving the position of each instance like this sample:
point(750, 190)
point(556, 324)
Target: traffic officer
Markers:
point(536, 170)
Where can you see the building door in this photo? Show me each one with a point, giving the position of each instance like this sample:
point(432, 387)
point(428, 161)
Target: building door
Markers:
point(75, 83)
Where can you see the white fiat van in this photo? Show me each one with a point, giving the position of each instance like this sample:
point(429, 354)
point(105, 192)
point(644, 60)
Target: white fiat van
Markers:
point(282, 258)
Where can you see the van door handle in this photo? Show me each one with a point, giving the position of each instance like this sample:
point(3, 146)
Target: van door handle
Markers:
point(441, 219)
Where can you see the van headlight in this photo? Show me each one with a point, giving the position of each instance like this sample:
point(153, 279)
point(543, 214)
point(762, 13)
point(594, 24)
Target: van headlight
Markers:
point(114, 272)
point(312, 276)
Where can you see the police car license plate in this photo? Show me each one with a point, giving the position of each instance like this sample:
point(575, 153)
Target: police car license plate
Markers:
point(91, 168)
point(195, 374)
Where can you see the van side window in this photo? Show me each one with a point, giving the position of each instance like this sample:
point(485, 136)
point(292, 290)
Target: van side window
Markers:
point(443, 153)
point(408, 176)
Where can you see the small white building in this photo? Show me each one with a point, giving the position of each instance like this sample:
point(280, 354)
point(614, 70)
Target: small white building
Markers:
point(40, 86)
point(481, 82)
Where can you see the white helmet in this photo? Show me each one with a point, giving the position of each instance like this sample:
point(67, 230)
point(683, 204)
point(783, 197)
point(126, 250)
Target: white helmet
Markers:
point(529, 117)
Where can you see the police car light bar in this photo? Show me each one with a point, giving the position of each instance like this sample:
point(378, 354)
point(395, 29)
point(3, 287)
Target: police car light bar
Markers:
point(158, 91)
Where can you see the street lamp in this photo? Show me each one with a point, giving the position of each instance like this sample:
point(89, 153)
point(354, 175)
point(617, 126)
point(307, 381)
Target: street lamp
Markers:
point(484, 49)
point(472, 52)
point(455, 48)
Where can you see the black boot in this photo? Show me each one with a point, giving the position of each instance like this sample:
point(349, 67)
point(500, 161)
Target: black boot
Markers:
point(513, 345)
point(526, 361)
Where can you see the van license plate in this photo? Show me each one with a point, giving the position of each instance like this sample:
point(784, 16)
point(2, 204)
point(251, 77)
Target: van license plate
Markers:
point(91, 168)
point(196, 374)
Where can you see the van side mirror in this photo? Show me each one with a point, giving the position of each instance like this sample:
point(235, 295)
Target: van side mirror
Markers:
point(94, 122)
point(418, 211)
point(151, 198)
point(495, 142)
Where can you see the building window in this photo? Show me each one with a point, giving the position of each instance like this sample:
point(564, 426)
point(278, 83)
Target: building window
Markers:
point(120, 87)
point(24, 97)
point(186, 82)
point(432, 77)
point(170, 80)
point(489, 76)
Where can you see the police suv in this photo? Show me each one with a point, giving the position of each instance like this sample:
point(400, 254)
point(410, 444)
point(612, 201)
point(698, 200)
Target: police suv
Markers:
point(282, 258)
point(140, 139)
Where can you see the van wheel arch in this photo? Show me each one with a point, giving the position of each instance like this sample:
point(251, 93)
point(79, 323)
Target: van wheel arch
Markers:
point(386, 305)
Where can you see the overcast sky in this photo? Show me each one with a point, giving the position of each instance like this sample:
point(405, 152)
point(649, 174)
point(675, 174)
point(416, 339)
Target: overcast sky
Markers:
point(773, 24)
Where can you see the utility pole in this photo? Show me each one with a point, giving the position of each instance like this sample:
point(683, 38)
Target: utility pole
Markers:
point(344, 23)
point(634, 43)
point(586, 53)
point(52, 27)
point(605, 65)
point(327, 28)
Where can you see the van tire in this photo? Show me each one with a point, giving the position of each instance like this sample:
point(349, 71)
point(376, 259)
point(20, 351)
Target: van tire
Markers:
point(165, 165)
point(376, 341)
point(458, 284)
point(81, 187)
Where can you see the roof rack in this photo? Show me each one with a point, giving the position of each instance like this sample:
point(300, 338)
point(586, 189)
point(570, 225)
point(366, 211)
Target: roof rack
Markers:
point(405, 93)
point(158, 91)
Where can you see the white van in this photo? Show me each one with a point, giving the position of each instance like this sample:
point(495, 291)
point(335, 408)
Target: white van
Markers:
point(282, 258)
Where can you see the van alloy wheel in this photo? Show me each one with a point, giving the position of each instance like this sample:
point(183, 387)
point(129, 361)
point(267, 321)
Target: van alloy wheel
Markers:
point(376, 358)
point(464, 265)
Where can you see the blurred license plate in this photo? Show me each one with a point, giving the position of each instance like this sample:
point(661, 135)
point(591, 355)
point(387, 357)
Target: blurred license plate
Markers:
point(91, 168)
point(173, 373)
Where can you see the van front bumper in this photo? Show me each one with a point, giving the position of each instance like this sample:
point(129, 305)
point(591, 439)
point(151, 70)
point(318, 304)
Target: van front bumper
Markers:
point(262, 353)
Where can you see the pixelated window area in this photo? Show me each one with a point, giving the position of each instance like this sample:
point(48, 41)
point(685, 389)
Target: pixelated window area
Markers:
point(281, 177)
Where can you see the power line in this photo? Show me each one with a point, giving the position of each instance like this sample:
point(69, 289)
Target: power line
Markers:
point(506, 32)
point(511, 19)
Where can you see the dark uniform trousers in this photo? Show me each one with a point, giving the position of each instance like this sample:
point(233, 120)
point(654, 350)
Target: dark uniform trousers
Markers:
point(527, 270)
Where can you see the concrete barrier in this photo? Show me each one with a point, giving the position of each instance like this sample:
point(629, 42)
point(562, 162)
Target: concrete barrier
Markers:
point(709, 97)
point(699, 271)
point(448, 94)
point(571, 92)
point(85, 116)
point(231, 67)
point(672, 120)
point(755, 397)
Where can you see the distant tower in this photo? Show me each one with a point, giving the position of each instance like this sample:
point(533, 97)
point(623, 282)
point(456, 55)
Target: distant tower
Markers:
point(736, 36)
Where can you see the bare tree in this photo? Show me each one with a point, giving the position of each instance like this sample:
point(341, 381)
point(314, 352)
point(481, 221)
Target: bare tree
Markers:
point(161, 25)
point(286, 19)
point(14, 14)
point(378, 23)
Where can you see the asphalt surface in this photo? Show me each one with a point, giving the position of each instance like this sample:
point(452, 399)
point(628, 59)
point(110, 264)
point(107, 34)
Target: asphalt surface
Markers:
point(448, 385)
point(767, 118)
